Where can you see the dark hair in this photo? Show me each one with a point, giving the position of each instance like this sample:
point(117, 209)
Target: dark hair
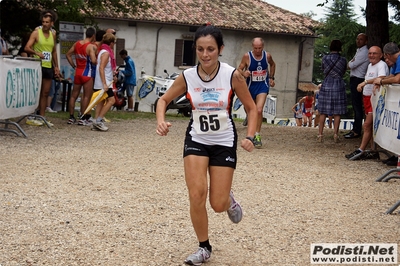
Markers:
point(123, 52)
point(336, 46)
point(90, 32)
point(206, 30)
point(99, 35)
point(48, 14)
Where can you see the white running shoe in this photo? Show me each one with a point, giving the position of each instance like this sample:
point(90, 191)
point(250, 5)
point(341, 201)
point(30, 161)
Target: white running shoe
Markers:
point(235, 212)
point(34, 122)
point(200, 256)
point(49, 110)
point(99, 126)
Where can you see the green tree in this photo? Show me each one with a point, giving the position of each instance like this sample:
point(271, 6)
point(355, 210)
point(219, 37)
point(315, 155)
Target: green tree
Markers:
point(339, 23)
point(18, 17)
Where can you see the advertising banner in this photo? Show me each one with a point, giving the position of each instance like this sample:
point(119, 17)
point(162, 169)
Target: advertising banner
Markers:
point(147, 91)
point(21, 83)
point(270, 108)
point(386, 124)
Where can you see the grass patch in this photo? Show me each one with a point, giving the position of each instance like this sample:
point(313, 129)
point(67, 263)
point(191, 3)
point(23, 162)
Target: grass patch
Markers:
point(122, 115)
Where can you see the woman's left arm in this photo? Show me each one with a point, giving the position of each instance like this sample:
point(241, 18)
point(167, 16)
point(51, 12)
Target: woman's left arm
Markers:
point(242, 92)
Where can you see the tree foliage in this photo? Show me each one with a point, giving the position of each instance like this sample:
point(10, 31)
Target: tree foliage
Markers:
point(19, 17)
point(340, 23)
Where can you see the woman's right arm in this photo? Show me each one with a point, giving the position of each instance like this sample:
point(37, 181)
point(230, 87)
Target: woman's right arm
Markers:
point(177, 88)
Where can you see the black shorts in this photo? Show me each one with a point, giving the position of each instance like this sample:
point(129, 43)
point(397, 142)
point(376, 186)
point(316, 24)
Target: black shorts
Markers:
point(47, 73)
point(218, 155)
point(110, 92)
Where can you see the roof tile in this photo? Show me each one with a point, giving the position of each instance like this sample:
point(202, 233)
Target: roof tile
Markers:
point(251, 15)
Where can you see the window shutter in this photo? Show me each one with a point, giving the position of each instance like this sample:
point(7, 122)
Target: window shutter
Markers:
point(117, 48)
point(178, 52)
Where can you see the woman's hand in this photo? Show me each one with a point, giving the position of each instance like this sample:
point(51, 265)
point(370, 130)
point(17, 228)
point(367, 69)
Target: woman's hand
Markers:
point(163, 128)
point(247, 144)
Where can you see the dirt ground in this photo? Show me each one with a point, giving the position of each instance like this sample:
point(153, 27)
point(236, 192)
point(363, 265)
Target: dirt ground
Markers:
point(72, 196)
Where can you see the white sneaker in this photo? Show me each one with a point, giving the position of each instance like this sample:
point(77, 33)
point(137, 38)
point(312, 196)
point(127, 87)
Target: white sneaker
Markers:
point(34, 122)
point(235, 212)
point(49, 110)
point(200, 256)
point(99, 126)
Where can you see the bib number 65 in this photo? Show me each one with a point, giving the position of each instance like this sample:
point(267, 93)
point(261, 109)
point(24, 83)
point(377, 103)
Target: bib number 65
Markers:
point(206, 123)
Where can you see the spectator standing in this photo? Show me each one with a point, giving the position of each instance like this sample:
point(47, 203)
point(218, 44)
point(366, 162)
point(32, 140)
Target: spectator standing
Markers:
point(42, 44)
point(332, 95)
point(358, 67)
point(258, 67)
point(211, 137)
point(85, 69)
point(105, 76)
point(130, 78)
point(392, 54)
point(376, 68)
point(99, 38)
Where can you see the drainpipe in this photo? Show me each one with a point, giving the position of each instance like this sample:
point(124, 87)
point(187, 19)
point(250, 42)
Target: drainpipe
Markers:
point(156, 55)
point(298, 70)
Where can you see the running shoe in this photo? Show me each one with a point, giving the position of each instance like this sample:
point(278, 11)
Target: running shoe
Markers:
point(48, 123)
point(257, 141)
point(71, 120)
point(354, 155)
point(49, 110)
point(99, 126)
point(370, 156)
point(81, 122)
point(245, 122)
point(87, 122)
point(235, 212)
point(200, 256)
point(33, 122)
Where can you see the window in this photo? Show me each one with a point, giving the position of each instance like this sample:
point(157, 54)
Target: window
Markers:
point(184, 53)
point(118, 46)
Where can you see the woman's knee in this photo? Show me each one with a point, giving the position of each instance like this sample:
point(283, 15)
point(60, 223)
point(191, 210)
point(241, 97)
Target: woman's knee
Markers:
point(219, 205)
point(197, 196)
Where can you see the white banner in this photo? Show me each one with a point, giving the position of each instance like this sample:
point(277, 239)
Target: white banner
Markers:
point(21, 81)
point(269, 111)
point(147, 91)
point(270, 108)
point(386, 124)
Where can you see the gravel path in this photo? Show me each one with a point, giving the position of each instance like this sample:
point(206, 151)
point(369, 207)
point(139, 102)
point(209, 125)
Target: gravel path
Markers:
point(72, 196)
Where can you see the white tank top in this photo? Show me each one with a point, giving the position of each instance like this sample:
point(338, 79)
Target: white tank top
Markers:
point(98, 84)
point(212, 101)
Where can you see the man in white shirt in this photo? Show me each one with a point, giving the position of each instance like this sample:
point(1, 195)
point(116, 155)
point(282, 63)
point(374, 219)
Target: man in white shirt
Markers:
point(358, 67)
point(377, 68)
